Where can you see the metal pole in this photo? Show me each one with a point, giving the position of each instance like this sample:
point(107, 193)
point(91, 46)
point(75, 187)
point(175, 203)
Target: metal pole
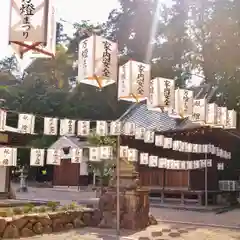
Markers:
point(118, 188)
point(206, 181)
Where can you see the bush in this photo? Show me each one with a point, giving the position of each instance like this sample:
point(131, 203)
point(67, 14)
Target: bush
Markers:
point(72, 206)
point(42, 209)
point(28, 208)
point(52, 205)
point(17, 211)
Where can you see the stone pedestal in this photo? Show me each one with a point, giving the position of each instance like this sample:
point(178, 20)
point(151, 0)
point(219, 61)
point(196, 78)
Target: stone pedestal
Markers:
point(134, 201)
point(136, 212)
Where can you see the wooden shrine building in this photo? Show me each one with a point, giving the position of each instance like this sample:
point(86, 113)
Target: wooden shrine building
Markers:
point(183, 186)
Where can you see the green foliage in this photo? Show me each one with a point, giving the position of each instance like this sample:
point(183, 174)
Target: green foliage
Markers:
point(17, 211)
point(28, 208)
point(52, 205)
point(42, 209)
point(72, 206)
point(64, 208)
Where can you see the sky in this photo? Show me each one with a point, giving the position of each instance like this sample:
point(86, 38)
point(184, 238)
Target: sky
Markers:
point(69, 10)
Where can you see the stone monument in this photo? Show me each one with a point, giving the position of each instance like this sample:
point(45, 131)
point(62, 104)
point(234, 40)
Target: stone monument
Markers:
point(134, 200)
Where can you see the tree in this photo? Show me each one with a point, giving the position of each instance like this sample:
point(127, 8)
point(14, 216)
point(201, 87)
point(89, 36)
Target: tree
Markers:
point(104, 167)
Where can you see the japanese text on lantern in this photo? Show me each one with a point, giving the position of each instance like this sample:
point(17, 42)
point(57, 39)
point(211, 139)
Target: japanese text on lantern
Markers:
point(38, 157)
point(85, 55)
point(151, 91)
point(27, 10)
point(196, 115)
point(106, 58)
point(185, 101)
point(167, 92)
point(140, 79)
point(6, 154)
point(51, 126)
point(70, 126)
point(123, 78)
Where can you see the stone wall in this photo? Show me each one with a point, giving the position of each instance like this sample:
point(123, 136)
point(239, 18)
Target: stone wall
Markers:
point(34, 224)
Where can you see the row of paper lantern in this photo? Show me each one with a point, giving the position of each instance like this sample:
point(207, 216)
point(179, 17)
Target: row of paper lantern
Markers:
point(97, 66)
point(26, 125)
point(9, 158)
point(8, 155)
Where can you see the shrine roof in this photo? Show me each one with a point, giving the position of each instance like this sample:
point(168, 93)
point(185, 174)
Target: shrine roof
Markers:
point(161, 122)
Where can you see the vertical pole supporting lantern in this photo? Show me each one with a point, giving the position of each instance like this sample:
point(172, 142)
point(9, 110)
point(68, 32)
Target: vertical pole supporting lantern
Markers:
point(206, 181)
point(118, 187)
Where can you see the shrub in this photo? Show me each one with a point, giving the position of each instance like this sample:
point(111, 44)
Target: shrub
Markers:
point(28, 208)
point(42, 209)
point(17, 211)
point(72, 206)
point(52, 205)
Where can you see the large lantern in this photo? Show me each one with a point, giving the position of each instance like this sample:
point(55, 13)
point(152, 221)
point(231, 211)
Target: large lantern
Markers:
point(161, 94)
point(231, 119)
point(97, 61)
point(29, 25)
point(133, 83)
point(211, 114)
point(184, 102)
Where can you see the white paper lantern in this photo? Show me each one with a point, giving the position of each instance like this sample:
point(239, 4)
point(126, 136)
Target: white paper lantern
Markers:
point(28, 25)
point(83, 128)
point(67, 127)
point(54, 156)
point(211, 114)
point(161, 95)
point(176, 164)
point(76, 155)
point(196, 164)
point(162, 162)
point(115, 128)
point(220, 166)
point(219, 117)
point(153, 161)
point(26, 123)
point(102, 128)
point(97, 61)
point(50, 126)
point(129, 129)
point(189, 165)
point(217, 151)
point(168, 143)
point(94, 154)
point(231, 119)
point(194, 148)
point(204, 148)
point(144, 158)
point(184, 102)
point(189, 147)
point(183, 165)
point(181, 146)
point(3, 119)
point(132, 155)
point(140, 133)
point(203, 163)
point(159, 140)
point(224, 111)
point(37, 157)
point(176, 145)
point(185, 146)
point(123, 151)
point(209, 162)
point(229, 155)
point(149, 137)
point(106, 152)
point(8, 156)
point(199, 110)
point(133, 83)
point(213, 149)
